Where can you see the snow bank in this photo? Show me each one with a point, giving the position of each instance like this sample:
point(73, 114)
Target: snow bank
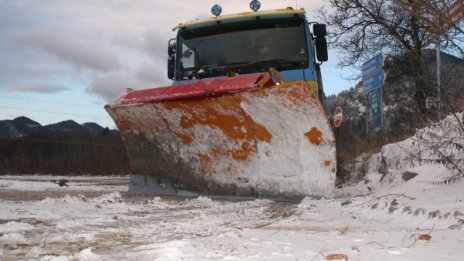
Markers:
point(441, 143)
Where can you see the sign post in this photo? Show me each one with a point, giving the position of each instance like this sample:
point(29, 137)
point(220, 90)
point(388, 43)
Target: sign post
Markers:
point(373, 79)
point(338, 117)
point(375, 101)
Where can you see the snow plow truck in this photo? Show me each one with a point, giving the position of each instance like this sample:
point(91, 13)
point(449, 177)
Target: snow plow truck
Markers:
point(244, 116)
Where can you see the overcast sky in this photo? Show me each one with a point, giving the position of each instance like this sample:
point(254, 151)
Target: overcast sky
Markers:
point(65, 59)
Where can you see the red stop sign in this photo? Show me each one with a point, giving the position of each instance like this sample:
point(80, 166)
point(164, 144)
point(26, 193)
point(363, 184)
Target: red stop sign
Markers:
point(338, 117)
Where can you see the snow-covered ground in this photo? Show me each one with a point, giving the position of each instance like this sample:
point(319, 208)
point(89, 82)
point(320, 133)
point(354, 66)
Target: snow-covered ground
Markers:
point(41, 221)
point(405, 214)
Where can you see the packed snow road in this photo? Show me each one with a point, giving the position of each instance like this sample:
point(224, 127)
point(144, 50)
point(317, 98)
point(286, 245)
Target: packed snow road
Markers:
point(93, 218)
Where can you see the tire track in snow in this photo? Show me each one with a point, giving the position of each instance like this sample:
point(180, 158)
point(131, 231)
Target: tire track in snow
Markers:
point(111, 221)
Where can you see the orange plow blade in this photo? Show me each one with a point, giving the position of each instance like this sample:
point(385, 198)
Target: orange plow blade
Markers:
point(253, 138)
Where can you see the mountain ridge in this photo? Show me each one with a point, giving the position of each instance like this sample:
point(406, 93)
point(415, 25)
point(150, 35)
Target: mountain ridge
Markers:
point(22, 126)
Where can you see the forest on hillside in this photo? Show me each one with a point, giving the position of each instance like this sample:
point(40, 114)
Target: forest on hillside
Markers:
point(64, 154)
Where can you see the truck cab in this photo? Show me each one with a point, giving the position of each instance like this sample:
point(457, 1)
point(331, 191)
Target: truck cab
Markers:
point(247, 43)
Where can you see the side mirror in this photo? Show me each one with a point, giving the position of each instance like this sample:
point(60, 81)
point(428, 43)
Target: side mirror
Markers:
point(319, 30)
point(172, 58)
point(171, 67)
point(321, 49)
point(172, 47)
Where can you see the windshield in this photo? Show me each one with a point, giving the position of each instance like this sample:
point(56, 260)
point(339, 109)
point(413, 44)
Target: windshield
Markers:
point(242, 48)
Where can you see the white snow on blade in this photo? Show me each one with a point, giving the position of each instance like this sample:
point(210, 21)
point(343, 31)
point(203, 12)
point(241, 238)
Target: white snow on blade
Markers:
point(381, 217)
point(290, 163)
point(284, 163)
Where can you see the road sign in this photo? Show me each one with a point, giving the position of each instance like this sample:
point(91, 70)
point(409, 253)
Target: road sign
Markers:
point(374, 81)
point(375, 102)
point(456, 11)
point(338, 117)
point(372, 65)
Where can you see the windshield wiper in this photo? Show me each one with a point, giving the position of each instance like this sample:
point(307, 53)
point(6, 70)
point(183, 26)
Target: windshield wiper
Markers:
point(202, 72)
point(264, 65)
point(206, 71)
point(243, 67)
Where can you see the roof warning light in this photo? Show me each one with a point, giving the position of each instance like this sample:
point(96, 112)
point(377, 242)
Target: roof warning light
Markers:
point(255, 5)
point(216, 10)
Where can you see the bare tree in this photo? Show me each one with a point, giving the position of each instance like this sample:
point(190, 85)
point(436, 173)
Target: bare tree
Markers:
point(361, 28)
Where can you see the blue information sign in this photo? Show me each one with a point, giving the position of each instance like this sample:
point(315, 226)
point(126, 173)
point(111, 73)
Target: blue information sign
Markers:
point(372, 65)
point(376, 110)
point(374, 81)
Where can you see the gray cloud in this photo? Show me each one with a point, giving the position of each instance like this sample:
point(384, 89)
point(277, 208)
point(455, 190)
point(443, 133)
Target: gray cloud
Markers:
point(38, 88)
point(155, 45)
point(105, 46)
point(109, 86)
point(153, 72)
point(69, 48)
